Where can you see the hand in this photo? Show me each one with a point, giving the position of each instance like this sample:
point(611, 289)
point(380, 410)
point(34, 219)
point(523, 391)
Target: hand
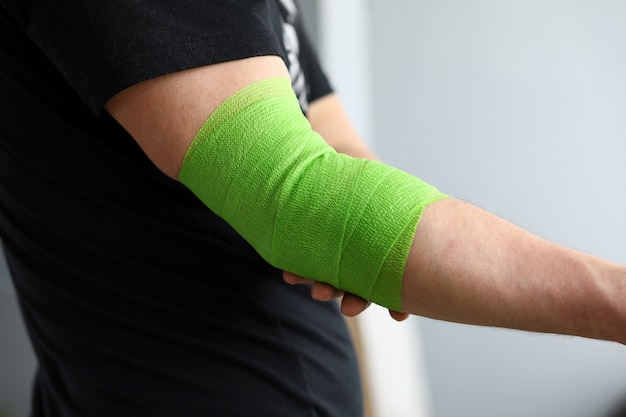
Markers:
point(351, 305)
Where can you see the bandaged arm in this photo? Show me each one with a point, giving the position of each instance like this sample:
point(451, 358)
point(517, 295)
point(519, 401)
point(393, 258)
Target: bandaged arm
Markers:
point(461, 263)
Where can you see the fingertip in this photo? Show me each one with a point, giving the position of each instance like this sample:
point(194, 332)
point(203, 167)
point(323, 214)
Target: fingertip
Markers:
point(398, 316)
point(352, 305)
point(290, 278)
point(294, 279)
point(322, 292)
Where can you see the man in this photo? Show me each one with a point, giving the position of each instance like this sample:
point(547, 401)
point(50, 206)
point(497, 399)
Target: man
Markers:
point(121, 119)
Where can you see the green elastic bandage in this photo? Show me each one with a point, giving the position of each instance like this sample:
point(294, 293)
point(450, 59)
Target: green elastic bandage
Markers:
point(306, 209)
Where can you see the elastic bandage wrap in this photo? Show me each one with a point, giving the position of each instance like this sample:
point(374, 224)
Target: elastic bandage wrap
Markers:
point(305, 208)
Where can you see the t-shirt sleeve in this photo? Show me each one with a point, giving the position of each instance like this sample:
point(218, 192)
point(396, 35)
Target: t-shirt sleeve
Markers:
point(103, 47)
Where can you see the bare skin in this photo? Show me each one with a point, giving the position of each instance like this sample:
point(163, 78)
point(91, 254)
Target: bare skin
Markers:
point(465, 264)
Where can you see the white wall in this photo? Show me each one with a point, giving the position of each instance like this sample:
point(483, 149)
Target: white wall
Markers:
point(517, 106)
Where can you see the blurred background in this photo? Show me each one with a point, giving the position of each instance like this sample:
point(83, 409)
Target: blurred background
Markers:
point(516, 106)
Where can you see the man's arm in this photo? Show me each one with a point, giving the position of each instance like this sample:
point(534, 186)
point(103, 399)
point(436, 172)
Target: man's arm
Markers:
point(464, 265)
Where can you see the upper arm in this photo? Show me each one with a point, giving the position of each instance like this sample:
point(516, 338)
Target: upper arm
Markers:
point(163, 114)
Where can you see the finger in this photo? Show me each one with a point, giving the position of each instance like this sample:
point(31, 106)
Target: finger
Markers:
point(294, 279)
point(324, 292)
point(398, 316)
point(353, 305)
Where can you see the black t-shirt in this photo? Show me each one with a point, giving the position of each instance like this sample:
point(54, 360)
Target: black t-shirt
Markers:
point(139, 300)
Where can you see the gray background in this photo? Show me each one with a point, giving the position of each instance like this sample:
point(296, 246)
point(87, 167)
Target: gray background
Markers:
point(518, 107)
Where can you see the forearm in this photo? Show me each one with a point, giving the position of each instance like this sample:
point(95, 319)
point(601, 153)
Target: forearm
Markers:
point(467, 265)
point(328, 117)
